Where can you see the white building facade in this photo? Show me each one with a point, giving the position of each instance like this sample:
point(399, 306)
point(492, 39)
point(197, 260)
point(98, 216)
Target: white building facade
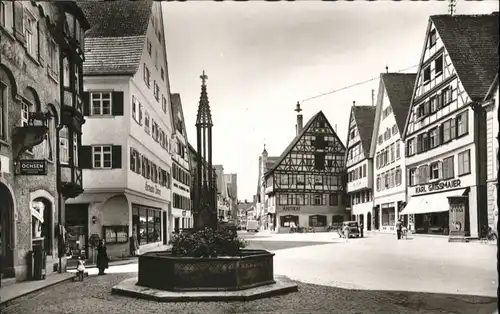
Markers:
point(389, 194)
point(359, 164)
point(491, 107)
point(127, 136)
point(444, 131)
point(181, 176)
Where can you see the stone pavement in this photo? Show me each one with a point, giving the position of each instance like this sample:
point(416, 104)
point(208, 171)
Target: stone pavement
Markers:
point(93, 295)
point(19, 289)
point(384, 263)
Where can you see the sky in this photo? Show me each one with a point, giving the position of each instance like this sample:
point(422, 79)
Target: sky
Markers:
point(263, 57)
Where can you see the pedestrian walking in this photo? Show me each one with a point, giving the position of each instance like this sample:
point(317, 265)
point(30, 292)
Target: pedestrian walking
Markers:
point(399, 228)
point(361, 227)
point(346, 232)
point(102, 257)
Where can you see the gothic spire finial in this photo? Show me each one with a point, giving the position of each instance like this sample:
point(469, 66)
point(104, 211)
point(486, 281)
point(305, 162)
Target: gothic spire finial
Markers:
point(204, 78)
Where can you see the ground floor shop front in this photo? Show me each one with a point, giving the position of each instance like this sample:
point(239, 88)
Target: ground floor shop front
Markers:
point(316, 217)
point(387, 211)
point(29, 221)
point(449, 213)
point(181, 219)
point(121, 219)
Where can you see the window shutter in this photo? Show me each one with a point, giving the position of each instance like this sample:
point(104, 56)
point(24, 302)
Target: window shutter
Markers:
point(440, 170)
point(41, 42)
point(117, 105)
point(86, 103)
point(116, 157)
point(18, 20)
point(85, 157)
point(440, 134)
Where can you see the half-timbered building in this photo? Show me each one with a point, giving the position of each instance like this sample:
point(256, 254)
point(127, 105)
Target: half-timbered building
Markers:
point(445, 129)
point(359, 164)
point(41, 58)
point(389, 194)
point(307, 180)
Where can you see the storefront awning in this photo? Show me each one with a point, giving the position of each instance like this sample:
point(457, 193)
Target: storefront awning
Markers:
point(145, 201)
point(433, 203)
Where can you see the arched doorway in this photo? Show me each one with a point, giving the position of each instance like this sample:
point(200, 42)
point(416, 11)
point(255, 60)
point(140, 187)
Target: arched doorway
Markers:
point(42, 230)
point(369, 221)
point(6, 233)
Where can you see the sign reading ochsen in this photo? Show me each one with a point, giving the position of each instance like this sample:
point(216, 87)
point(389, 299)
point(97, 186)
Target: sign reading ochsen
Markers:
point(438, 186)
point(32, 167)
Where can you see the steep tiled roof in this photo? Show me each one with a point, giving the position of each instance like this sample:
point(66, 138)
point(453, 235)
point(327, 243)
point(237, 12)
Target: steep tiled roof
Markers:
point(115, 42)
point(365, 118)
point(399, 88)
point(493, 89)
point(472, 43)
point(119, 18)
point(113, 55)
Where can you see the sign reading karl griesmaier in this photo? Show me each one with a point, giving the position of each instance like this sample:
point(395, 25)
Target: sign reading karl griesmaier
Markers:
point(438, 186)
point(32, 167)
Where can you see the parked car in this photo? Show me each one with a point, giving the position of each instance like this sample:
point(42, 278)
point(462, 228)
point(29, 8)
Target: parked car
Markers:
point(252, 225)
point(353, 229)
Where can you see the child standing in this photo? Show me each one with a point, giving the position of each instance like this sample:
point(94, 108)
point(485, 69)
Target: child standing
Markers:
point(80, 268)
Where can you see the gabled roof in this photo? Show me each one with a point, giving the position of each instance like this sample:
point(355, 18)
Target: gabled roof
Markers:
point(364, 116)
point(115, 41)
point(296, 140)
point(493, 89)
point(399, 89)
point(176, 109)
point(472, 44)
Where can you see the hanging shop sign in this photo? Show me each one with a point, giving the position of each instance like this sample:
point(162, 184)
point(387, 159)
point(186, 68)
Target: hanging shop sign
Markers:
point(438, 186)
point(32, 167)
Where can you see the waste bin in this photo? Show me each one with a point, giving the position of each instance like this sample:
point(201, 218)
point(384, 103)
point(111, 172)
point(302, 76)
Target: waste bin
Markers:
point(39, 261)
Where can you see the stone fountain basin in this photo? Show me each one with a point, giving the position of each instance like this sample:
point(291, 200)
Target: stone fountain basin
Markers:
point(162, 270)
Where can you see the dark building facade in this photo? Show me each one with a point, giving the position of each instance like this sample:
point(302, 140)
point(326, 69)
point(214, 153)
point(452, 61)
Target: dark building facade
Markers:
point(41, 55)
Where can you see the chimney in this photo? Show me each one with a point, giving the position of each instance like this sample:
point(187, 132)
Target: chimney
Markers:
point(299, 124)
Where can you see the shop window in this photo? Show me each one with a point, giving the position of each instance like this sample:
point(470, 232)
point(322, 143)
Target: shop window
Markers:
point(464, 163)
point(147, 223)
point(388, 216)
point(317, 221)
point(289, 220)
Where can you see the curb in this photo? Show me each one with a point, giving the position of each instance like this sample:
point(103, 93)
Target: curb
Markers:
point(111, 263)
point(4, 302)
